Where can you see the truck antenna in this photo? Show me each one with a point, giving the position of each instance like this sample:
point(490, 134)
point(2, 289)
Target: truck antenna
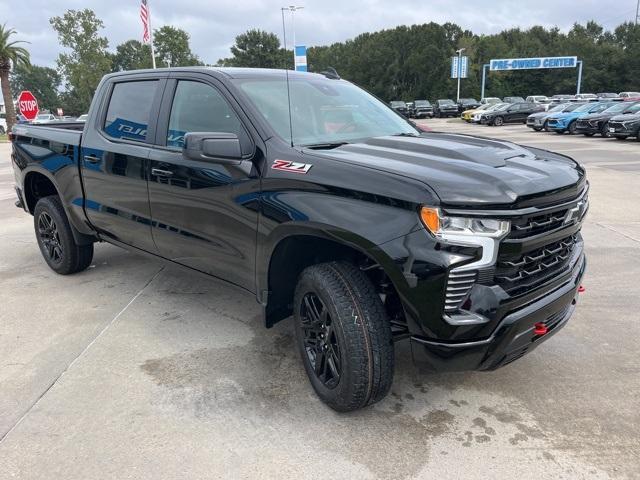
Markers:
point(286, 72)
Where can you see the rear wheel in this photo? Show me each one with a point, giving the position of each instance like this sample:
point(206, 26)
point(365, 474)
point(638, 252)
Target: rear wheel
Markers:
point(498, 121)
point(55, 238)
point(343, 335)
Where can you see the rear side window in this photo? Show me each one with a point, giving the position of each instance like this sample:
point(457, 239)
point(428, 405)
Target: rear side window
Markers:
point(129, 109)
point(198, 107)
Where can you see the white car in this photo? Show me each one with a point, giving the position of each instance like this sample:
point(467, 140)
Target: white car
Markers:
point(82, 118)
point(3, 124)
point(45, 118)
point(630, 94)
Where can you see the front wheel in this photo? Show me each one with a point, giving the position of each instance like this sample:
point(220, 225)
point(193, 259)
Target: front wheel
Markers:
point(589, 134)
point(621, 138)
point(572, 128)
point(498, 121)
point(545, 127)
point(55, 238)
point(343, 335)
point(537, 129)
point(604, 131)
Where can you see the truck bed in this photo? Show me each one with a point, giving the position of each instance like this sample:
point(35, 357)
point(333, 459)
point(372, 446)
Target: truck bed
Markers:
point(68, 133)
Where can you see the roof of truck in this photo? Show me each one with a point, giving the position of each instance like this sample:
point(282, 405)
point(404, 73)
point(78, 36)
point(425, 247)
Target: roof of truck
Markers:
point(230, 72)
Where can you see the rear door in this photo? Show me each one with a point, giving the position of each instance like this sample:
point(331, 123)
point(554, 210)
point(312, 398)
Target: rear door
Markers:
point(204, 213)
point(114, 159)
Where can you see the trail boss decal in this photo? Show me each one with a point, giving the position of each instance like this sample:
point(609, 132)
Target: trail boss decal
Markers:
point(294, 167)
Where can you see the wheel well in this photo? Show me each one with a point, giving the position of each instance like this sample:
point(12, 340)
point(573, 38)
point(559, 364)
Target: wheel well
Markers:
point(293, 254)
point(37, 186)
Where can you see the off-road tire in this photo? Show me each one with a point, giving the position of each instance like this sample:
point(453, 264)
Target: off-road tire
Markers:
point(71, 257)
point(360, 327)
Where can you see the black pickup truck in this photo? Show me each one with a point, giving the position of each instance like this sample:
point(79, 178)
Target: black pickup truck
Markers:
point(321, 202)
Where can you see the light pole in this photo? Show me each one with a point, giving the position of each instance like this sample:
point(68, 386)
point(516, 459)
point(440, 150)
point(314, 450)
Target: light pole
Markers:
point(459, 52)
point(637, 12)
point(293, 9)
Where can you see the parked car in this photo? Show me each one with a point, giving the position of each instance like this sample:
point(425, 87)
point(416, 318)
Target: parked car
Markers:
point(410, 109)
point(22, 119)
point(400, 107)
point(367, 233)
point(563, 98)
point(45, 118)
point(513, 100)
point(512, 113)
point(566, 121)
point(538, 120)
point(467, 115)
point(542, 99)
point(491, 100)
point(629, 94)
point(82, 118)
point(626, 125)
point(423, 109)
point(608, 96)
point(477, 116)
point(598, 122)
point(467, 104)
point(586, 97)
point(3, 123)
point(445, 108)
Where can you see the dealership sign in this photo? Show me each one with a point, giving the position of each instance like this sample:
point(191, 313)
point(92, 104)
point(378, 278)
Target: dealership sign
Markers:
point(459, 67)
point(301, 58)
point(531, 63)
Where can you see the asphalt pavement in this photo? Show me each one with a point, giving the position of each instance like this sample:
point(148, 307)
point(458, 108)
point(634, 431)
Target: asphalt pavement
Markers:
point(132, 369)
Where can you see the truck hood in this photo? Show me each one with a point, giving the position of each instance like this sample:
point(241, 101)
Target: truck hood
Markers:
point(462, 169)
point(629, 117)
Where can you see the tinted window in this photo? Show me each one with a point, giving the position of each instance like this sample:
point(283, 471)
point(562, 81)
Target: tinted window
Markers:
point(198, 107)
point(129, 109)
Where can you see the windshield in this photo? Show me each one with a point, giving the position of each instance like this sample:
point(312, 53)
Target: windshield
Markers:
point(635, 108)
point(398, 104)
point(468, 100)
point(43, 117)
point(322, 111)
point(617, 108)
point(558, 108)
point(599, 108)
point(446, 102)
point(422, 103)
point(585, 107)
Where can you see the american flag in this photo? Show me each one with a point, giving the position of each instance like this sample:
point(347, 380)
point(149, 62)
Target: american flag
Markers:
point(144, 16)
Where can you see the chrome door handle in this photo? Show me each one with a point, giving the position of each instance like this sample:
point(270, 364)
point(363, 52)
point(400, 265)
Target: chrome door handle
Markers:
point(91, 159)
point(161, 173)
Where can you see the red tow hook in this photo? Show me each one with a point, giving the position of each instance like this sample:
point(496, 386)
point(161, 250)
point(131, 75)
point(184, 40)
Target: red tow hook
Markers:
point(581, 289)
point(540, 329)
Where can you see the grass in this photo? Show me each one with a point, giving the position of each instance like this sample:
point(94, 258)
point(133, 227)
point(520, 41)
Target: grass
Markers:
point(3, 138)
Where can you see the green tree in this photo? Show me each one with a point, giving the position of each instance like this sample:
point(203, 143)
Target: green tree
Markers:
point(87, 59)
point(11, 55)
point(172, 48)
point(44, 82)
point(258, 49)
point(131, 55)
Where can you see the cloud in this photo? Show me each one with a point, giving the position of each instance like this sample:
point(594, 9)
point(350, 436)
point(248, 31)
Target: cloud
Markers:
point(214, 25)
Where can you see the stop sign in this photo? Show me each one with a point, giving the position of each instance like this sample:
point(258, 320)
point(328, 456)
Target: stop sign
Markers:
point(28, 105)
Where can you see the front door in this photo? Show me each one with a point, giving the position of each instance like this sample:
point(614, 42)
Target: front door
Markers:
point(114, 162)
point(204, 214)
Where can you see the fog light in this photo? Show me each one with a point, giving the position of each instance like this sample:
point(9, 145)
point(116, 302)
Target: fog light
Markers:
point(540, 328)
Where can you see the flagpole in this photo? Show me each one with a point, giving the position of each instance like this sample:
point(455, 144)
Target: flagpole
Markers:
point(153, 53)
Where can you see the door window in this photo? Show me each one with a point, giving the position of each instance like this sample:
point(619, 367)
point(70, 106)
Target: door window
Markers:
point(129, 110)
point(198, 107)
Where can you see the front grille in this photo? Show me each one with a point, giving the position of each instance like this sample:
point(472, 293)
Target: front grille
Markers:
point(459, 285)
point(616, 125)
point(516, 274)
point(531, 121)
point(533, 225)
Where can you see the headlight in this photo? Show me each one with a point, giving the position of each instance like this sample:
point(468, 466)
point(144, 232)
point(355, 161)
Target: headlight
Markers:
point(443, 226)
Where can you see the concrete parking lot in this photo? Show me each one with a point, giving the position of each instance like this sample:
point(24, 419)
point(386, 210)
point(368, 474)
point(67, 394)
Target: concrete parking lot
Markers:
point(133, 369)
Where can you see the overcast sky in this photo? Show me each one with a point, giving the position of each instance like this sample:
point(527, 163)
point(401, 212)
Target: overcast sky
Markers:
point(213, 24)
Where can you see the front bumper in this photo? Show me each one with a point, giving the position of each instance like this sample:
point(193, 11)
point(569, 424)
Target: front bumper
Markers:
point(511, 339)
point(585, 127)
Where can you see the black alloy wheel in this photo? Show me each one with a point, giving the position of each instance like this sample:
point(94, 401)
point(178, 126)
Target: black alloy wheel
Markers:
point(320, 340)
point(50, 238)
point(572, 128)
point(498, 121)
point(604, 130)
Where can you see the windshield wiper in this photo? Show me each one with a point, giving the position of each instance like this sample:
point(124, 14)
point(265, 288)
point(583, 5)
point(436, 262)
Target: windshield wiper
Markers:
point(324, 146)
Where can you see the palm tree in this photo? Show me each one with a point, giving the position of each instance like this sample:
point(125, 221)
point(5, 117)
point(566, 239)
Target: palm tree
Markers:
point(11, 55)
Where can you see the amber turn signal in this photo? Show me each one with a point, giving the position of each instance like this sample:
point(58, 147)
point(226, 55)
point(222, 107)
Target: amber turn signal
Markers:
point(430, 218)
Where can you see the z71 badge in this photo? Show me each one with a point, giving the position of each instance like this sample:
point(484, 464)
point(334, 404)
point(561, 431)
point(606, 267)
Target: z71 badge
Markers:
point(293, 167)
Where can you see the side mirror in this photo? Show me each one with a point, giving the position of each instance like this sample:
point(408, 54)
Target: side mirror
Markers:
point(216, 147)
